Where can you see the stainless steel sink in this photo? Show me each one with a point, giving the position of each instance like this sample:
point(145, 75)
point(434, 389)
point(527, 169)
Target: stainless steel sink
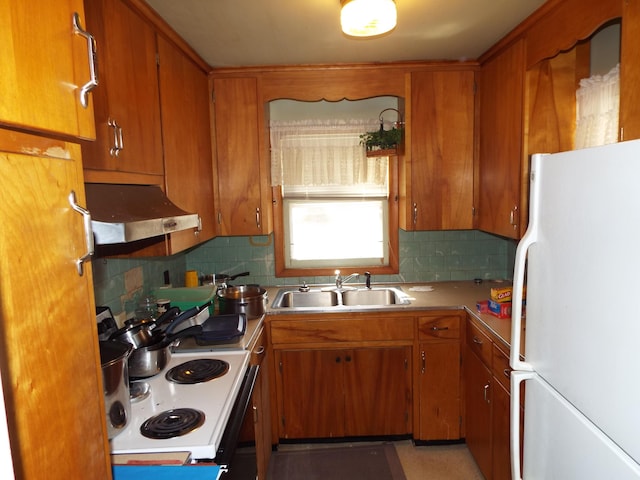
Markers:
point(374, 296)
point(333, 298)
point(312, 298)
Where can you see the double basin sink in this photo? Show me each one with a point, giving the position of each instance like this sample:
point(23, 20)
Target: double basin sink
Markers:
point(314, 298)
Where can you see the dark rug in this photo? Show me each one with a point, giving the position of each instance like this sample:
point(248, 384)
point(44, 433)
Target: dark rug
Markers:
point(371, 462)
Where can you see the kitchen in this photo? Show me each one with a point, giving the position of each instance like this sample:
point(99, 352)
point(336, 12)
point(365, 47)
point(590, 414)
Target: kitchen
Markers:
point(116, 278)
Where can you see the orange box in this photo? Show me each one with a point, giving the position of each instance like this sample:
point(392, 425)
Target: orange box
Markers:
point(502, 295)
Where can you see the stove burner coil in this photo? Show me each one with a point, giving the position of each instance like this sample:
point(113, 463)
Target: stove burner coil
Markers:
point(172, 423)
point(197, 371)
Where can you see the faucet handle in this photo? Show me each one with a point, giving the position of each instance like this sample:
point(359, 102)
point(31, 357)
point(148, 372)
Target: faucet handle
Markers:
point(368, 279)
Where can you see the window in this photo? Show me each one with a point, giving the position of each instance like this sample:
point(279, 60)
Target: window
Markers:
point(333, 207)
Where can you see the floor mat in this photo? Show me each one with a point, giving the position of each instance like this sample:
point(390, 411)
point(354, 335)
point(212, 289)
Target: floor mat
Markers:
point(371, 462)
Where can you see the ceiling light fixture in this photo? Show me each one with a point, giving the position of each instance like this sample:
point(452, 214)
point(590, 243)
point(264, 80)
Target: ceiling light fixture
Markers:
point(368, 18)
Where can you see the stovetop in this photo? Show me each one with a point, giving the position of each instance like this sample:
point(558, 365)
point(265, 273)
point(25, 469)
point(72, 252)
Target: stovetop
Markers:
point(215, 398)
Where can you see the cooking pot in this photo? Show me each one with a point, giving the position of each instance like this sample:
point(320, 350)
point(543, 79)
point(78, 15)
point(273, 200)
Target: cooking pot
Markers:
point(115, 380)
point(149, 360)
point(141, 333)
point(248, 299)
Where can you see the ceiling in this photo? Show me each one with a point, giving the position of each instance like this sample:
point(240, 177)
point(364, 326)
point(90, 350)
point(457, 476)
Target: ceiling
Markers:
point(228, 33)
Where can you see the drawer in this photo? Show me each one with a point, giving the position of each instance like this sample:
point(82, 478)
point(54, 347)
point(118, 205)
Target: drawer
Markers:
point(500, 367)
point(479, 343)
point(315, 330)
point(438, 327)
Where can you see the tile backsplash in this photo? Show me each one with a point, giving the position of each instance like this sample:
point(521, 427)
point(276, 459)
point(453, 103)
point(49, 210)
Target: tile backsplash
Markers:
point(424, 257)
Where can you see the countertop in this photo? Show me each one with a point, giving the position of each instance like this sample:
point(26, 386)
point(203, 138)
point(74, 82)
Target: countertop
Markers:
point(426, 296)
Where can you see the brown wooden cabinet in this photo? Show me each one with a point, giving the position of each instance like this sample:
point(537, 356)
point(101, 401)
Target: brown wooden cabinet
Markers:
point(128, 146)
point(478, 392)
point(500, 162)
point(487, 387)
point(439, 177)
point(244, 196)
point(341, 376)
point(186, 133)
point(438, 412)
point(50, 359)
point(353, 392)
point(43, 66)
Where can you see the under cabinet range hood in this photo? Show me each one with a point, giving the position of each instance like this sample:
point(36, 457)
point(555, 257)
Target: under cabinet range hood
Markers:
point(126, 213)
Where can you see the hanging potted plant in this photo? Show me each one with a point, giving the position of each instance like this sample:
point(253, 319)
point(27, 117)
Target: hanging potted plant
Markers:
point(384, 142)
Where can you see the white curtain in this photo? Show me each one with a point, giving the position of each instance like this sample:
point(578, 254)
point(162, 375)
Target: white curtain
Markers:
point(323, 153)
point(597, 109)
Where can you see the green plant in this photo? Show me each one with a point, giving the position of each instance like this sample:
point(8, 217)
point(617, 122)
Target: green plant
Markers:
point(382, 139)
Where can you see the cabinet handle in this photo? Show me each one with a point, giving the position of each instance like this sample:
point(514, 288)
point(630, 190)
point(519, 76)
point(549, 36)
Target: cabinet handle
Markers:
point(477, 341)
point(118, 144)
point(258, 217)
point(415, 213)
point(437, 329)
point(88, 232)
point(260, 350)
point(485, 390)
point(512, 217)
point(424, 361)
point(506, 372)
point(347, 358)
point(255, 414)
point(93, 71)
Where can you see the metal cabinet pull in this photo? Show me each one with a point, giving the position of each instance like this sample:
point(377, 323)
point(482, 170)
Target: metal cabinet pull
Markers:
point(506, 372)
point(118, 144)
point(88, 232)
point(437, 329)
point(477, 341)
point(258, 217)
point(512, 217)
point(415, 213)
point(485, 389)
point(424, 361)
point(93, 70)
point(260, 350)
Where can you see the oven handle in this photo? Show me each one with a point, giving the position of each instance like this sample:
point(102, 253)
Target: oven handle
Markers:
point(229, 440)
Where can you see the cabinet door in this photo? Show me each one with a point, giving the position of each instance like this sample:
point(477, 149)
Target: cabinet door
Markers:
point(43, 66)
point(240, 206)
point(188, 165)
point(312, 393)
point(50, 359)
point(630, 72)
point(442, 122)
point(127, 103)
point(439, 385)
point(501, 462)
point(500, 175)
point(377, 391)
point(478, 393)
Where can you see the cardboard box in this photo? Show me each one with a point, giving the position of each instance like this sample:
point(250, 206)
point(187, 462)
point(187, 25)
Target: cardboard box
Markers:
point(500, 309)
point(504, 294)
point(482, 306)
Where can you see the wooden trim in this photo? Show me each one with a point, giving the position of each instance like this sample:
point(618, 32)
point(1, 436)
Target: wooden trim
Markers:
point(163, 28)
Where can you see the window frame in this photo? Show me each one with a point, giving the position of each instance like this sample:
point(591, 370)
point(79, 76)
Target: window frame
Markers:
point(279, 238)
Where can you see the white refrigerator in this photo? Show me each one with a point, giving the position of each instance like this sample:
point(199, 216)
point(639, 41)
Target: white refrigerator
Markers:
point(581, 259)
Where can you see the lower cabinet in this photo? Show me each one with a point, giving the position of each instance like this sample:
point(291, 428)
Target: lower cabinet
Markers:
point(344, 392)
point(487, 403)
point(438, 412)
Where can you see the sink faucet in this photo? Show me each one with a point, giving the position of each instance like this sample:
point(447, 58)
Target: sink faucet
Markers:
point(368, 280)
point(340, 280)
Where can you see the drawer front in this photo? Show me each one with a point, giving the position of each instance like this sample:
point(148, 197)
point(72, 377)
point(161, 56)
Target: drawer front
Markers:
point(479, 343)
point(445, 326)
point(342, 330)
point(500, 367)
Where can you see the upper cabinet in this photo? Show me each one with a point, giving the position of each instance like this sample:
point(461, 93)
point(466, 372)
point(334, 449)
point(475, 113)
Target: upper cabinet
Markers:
point(438, 178)
point(244, 197)
point(128, 147)
point(44, 64)
point(500, 173)
point(185, 100)
point(630, 71)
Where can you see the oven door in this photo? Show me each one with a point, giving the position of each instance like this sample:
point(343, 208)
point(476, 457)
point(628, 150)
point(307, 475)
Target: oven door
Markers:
point(229, 441)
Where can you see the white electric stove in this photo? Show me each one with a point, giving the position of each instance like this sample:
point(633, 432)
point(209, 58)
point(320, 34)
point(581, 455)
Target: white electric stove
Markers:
point(214, 398)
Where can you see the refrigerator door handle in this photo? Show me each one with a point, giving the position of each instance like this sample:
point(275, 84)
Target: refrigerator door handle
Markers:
point(516, 379)
point(530, 237)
